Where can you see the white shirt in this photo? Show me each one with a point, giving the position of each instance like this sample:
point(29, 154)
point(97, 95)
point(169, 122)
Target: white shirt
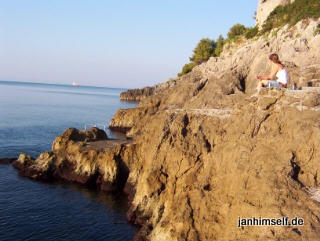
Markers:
point(282, 76)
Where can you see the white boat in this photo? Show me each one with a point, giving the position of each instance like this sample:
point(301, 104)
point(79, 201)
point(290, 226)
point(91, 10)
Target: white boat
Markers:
point(75, 84)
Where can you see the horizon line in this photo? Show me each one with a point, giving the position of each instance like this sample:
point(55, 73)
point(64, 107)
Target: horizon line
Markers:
point(69, 85)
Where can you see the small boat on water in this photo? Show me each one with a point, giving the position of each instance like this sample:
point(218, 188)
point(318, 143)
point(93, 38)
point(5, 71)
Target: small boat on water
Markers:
point(75, 84)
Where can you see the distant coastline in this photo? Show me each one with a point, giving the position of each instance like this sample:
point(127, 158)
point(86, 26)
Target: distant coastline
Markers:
point(64, 85)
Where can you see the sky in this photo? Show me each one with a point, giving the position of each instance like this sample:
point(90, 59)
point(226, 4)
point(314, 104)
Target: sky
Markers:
point(125, 44)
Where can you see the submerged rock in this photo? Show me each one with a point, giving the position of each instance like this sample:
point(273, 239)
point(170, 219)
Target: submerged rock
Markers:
point(7, 160)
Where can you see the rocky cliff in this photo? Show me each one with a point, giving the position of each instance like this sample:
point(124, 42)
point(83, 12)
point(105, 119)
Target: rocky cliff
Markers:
point(265, 7)
point(208, 153)
point(201, 169)
point(86, 157)
point(139, 94)
point(235, 72)
point(204, 152)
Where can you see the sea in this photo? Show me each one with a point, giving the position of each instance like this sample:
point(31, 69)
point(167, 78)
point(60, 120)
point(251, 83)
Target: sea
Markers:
point(31, 116)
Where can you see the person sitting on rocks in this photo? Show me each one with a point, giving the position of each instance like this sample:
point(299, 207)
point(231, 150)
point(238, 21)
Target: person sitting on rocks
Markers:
point(278, 71)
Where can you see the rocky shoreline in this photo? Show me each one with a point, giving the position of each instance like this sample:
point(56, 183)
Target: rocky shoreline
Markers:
point(87, 157)
point(161, 175)
point(140, 94)
point(209, 152)
point(203, 151)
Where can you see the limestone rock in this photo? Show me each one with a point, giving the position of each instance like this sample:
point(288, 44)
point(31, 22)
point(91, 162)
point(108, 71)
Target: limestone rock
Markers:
point(74, 135)
point(140, 94)
point(265, 7)
point(25, 159)
point(82, 156)
point(207, 154)
point(199, 172)
point(124, 119)
point(136, 94)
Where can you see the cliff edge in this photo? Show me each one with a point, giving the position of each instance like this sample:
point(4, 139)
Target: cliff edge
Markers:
point(204, 151)
point(208, 153)
point(265, 7)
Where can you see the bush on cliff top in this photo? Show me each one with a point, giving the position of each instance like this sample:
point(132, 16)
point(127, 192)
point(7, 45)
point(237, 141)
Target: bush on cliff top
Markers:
point(291, 14)
point(207, 48)
point(236, 30)
point(251, 32)
point(187, 68)
point(220, 44)
point(202, 52)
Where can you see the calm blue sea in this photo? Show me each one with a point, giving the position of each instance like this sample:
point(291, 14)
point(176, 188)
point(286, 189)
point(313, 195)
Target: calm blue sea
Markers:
point(31, 116)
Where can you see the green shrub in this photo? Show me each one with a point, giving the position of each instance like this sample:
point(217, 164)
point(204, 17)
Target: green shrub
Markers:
point(251, 32)
point(187, 68)
point(291, 14)
point(275, 32)
point(236, 30)
point(220, 44)
point(203, 51)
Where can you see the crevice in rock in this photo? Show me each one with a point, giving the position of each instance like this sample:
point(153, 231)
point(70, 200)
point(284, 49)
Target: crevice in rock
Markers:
point(197, 161)
point(295, 171)
point(160, 213)
point(207, 187)
point(192, 219)
point(315, 178)
point(296, 230)
point(164, 173)
point(198, 158)
point(257, 128)
point(241, 81)
point(163, 184)
point(184, 130)
point(200, 87)
point(123, 170)
point(271, 104)
point(208, 145)
point(166, 132)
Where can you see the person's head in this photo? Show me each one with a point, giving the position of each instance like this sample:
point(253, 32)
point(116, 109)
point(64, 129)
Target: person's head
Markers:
point(274, 58)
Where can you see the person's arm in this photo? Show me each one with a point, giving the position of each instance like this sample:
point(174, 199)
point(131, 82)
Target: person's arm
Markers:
point(271, 76)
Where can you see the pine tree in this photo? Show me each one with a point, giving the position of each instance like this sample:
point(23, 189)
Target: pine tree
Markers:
point(203, 51)
point(219, 48)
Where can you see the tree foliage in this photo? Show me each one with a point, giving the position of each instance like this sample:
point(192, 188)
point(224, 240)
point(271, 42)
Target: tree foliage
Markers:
point(236, 30)
point(203, 51)
point(291, 14)
point(251, 32)
point(280, 16)
point(219, 48)
point(187, 68)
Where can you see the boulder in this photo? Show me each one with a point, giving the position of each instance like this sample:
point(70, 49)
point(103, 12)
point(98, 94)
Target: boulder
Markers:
point(81, 156)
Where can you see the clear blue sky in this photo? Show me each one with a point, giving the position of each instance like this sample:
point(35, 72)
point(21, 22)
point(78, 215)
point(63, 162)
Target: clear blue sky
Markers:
point(109, 43)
